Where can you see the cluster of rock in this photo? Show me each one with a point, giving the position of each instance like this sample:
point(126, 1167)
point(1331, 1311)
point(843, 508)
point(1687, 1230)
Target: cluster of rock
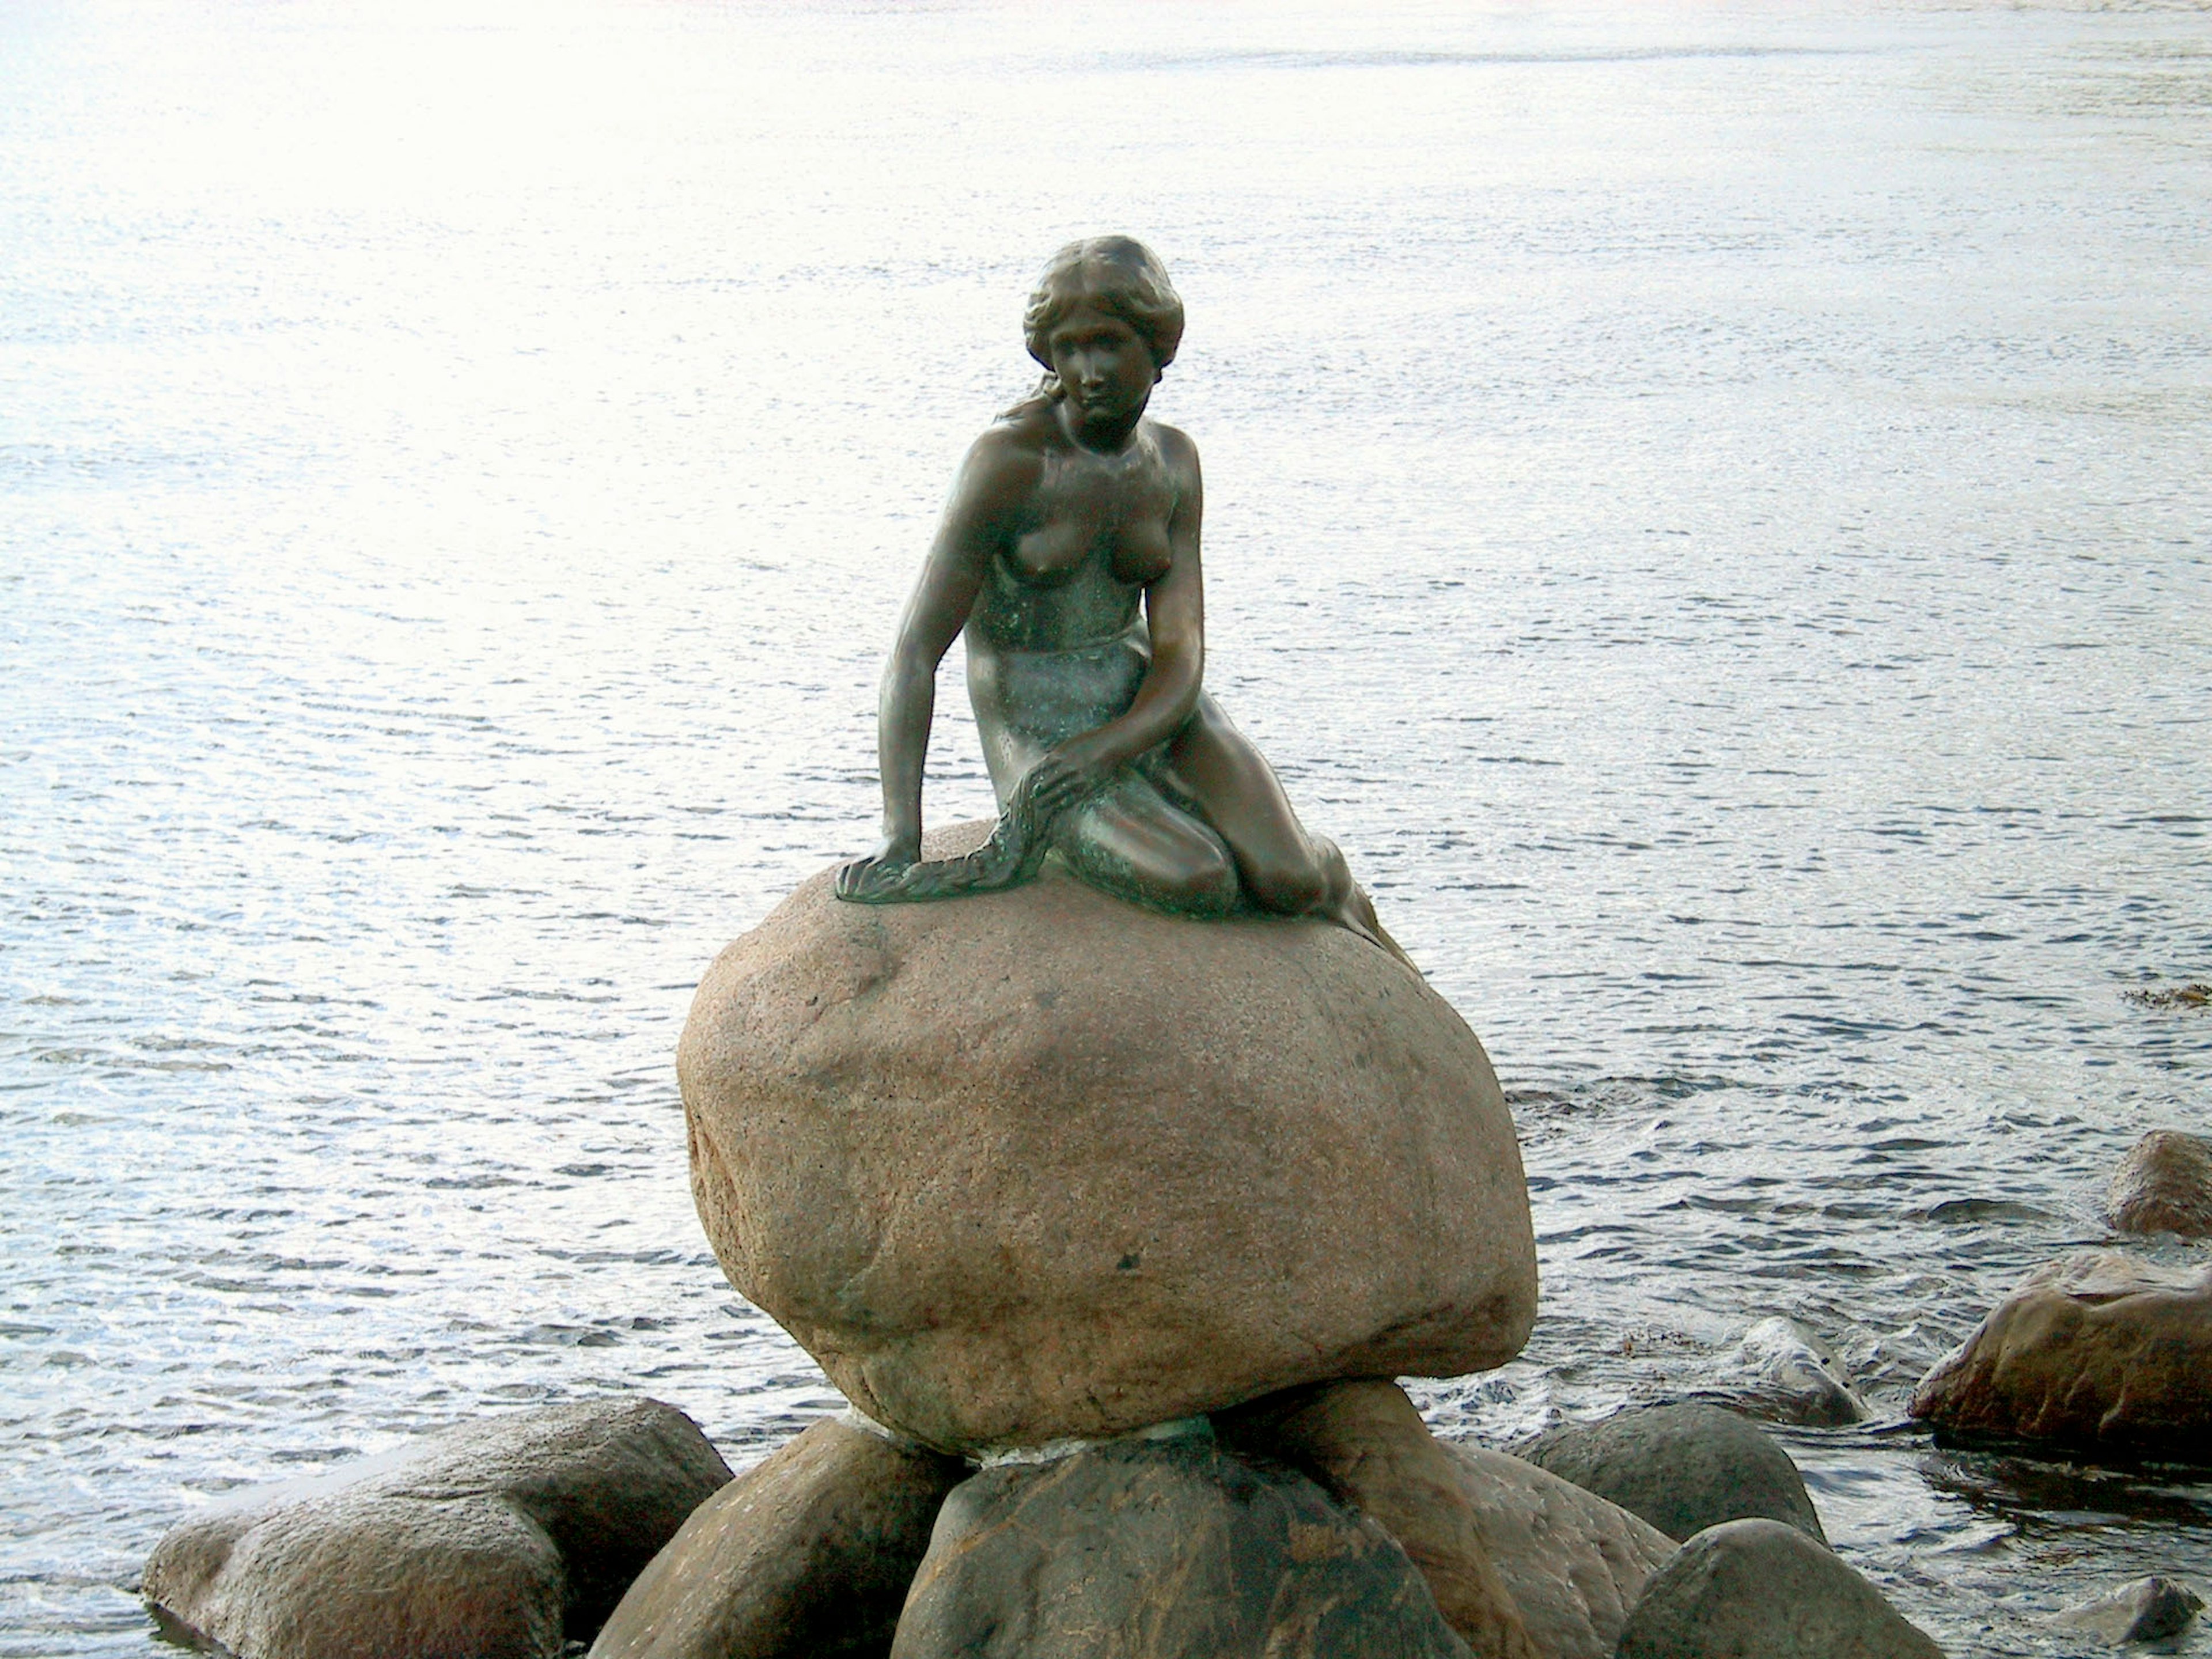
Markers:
point(1115, 1228)
point(2100, 1351)
point(1044, 1173)
point(1322, 1521)
point(2103, 1351)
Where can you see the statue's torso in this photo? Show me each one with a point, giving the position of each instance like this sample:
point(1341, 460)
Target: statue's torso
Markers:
point(1056, 640)
point(1091, 537)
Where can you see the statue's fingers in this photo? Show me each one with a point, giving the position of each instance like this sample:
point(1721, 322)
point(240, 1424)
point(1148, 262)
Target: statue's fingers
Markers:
point(869, 878)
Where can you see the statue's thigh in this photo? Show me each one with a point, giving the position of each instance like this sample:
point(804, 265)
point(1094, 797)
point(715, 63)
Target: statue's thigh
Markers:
point(1230, 781)
point(1133, 841)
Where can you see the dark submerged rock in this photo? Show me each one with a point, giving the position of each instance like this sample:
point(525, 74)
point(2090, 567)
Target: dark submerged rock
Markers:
point(2164, 1185)
point(1682, 1467)
point(1163, 1549)
point(2097, 1351)
point(809, 1552)
point(490, 1540)
point(1762, 1589)
point(2148, 1610)
point(1041, 1164)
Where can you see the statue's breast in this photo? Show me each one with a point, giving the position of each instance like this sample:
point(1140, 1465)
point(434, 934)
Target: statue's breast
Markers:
point(1112, 510)
point(1140, 553)
point(1052, 552)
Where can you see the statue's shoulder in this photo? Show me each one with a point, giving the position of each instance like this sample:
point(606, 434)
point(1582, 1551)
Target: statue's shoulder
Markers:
point(1177, 453)
point(1031, 423)
point(1006, 457)
point(1177, 445)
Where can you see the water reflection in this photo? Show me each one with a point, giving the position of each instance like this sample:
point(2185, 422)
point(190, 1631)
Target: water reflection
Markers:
point(2042, 1499)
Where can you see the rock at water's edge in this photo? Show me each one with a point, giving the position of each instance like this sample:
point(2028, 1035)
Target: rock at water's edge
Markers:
point(1762, 1589)
point(2164, 1185)
point(2096, 1350)
point(1682, 1467)
point(1787, 1375)
point(2148, 1610)
point(1163, 1549)
point(1041, 1165)
point(810, 1552)
point(493, 1539)
point(1365, 1443)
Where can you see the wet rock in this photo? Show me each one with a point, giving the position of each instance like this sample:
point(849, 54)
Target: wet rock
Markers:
point(1041, 1164)
point(1682, 1467)
point(1788, 1376)
point(2097, 1351)
point(1163, 1549)
point(2148, 1610)
point(492, 1540)
point(810, 1552)
point(1365, 1443)
point(2164, 1185)
point(1573, 1563)
point(1762, 1589)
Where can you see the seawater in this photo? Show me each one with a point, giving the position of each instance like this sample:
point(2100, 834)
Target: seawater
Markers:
point(1709, 504)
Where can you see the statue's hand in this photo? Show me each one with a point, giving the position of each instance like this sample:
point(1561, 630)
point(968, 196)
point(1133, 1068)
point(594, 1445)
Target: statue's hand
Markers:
point(880, 871)
point(1067, 774)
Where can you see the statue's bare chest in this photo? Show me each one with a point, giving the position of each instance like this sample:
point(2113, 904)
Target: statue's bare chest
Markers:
point(1110, 513)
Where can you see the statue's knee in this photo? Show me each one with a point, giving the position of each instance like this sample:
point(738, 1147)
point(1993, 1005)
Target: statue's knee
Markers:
point(1207, 883)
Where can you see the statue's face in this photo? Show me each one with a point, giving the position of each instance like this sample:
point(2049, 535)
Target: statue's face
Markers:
point(1104, 364)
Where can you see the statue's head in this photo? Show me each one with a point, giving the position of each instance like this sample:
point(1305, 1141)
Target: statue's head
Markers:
point(1116, 274)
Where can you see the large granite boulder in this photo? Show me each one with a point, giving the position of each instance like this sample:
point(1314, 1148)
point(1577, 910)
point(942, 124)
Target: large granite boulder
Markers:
point(1682, 1467)
point(2096, 1350)
point(1041, 1164)
point(1762, 1589)
point(2164, 1185)
point(1168, 1549)
point(810, 1552)
point(492, 1540)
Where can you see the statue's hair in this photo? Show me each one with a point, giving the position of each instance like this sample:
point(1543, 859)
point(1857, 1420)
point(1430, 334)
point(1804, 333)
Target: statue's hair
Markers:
point(1118, 275)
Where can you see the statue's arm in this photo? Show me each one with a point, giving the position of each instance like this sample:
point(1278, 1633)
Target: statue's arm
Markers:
point(1175, 613)
point(987, 493)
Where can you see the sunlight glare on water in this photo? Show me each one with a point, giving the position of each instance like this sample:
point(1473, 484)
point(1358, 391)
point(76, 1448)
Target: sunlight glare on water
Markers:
point(1707, 503)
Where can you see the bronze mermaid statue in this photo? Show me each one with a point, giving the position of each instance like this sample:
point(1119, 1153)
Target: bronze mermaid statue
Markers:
point(1069, 558)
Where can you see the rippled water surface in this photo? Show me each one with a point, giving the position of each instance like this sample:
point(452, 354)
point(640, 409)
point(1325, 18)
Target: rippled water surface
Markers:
point(1709, 504)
